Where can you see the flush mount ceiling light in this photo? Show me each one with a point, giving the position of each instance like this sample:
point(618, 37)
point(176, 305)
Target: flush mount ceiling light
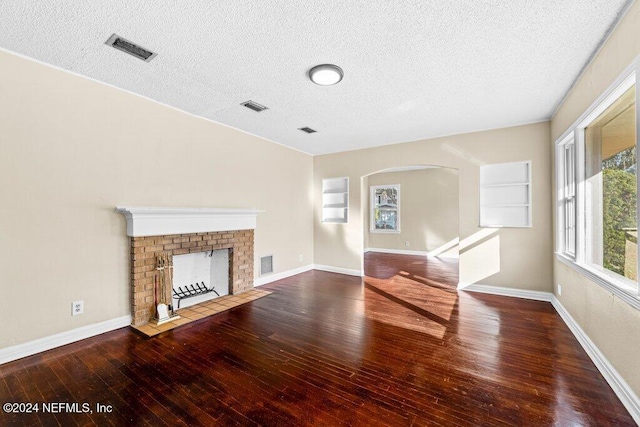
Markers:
point(326, 74)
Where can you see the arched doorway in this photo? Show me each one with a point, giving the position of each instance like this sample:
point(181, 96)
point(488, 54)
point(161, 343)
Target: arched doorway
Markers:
point(411, 211)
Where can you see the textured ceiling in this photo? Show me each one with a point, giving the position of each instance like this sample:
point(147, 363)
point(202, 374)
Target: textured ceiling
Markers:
point(413, 69)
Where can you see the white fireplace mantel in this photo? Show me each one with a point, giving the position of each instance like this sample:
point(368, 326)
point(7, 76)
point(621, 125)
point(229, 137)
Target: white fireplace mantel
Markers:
point(149, 221)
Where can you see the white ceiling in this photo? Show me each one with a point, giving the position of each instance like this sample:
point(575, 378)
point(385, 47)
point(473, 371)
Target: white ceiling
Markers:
point(413, 69)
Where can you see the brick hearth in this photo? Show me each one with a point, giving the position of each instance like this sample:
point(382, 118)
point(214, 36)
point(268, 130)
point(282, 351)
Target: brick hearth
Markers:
point(144, 251)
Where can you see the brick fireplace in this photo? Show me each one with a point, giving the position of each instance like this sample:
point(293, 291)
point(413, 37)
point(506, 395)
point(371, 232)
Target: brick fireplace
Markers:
point(178, 231)
point(144, 251)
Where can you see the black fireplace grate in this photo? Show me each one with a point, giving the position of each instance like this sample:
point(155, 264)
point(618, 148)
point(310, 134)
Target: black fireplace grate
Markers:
point(192, 291)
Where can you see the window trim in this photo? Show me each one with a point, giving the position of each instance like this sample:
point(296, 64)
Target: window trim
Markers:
point(577, 132)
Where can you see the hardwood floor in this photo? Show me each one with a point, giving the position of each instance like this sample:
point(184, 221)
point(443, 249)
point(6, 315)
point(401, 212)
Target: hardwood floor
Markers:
point(398, 347)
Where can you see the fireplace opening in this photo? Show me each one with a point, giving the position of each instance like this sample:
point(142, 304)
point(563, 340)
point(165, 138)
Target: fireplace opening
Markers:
point(200, 277)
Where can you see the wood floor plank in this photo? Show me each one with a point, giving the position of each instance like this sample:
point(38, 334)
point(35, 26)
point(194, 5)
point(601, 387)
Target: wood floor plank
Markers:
point(401, 346)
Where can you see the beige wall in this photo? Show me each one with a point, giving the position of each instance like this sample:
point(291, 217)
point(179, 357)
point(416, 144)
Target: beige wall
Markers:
point(428, 210)
point(612, 324)
point(72, 149)
point(512, 257)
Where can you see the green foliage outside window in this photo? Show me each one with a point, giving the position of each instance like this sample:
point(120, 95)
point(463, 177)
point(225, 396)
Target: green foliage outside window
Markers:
point(619, 207)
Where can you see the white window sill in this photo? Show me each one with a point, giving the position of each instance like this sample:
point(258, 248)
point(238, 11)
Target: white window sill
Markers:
point(385, 231)
point(630, 296)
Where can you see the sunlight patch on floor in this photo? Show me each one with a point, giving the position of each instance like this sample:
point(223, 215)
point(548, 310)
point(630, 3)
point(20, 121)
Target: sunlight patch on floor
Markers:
point(408, 304)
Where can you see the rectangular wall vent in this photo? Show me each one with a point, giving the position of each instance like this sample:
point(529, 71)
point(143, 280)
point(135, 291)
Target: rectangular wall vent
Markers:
point(254, 106)
point(308, 130)
point(130, 48)
point(266, 264)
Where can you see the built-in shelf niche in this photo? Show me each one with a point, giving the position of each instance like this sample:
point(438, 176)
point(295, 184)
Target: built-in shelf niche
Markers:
point(505, 195)
point(335, 200)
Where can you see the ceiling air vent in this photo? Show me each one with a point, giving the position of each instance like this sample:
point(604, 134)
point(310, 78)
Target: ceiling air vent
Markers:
point(308, 130)
point(254, 106)
point(130, 48)
point(266, 264)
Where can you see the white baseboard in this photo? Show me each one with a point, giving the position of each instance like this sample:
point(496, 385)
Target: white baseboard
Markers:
point(444, 256)
point(47, 343)
point(407, 252)
point(627, 396)
point(396, 251)
point(340, 270)
point(282, 275)
point(507, 292)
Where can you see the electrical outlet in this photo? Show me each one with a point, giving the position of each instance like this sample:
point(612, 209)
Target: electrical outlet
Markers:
point(301, 258)
point(559, 290)
point(406, 243)
point(77, 307)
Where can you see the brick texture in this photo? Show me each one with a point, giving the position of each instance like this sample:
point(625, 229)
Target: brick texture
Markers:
point(145, 249)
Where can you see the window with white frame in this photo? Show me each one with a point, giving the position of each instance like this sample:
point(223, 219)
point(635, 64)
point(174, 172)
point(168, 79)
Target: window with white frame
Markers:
point(611, 189)
point(597, 187)
point(385, 209)
point(567, 197)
